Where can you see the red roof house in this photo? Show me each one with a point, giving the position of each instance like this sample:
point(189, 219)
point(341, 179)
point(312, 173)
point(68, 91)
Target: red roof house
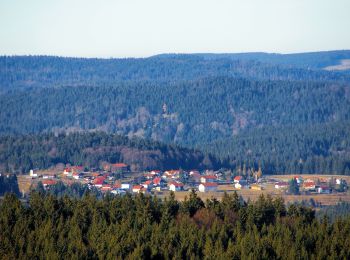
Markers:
point(98, 181)
point(157, 181)
point(48, 182)
point(208, 178)
point(238, 179)
point(137, 188)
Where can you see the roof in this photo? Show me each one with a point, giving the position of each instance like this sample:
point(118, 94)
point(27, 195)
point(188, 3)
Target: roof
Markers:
point(196, 175)
point(209, 177)
point(238, 178)
point(177, 184)
point(309, 184)
point(49, 182)
point(99, 180)
point(117, 184)
point(157, 180)
point(172, 171)
point(106, 187)
point(137, 187)
point(282, 183)
point(209, 184)
point(119, 165)
point(309, 181)
point(148, 182)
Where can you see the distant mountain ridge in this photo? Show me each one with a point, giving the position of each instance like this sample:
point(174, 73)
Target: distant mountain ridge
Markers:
point(312, 60)
point(48, 71)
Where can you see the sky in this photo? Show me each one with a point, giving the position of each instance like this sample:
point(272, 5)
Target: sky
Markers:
point(141, 28)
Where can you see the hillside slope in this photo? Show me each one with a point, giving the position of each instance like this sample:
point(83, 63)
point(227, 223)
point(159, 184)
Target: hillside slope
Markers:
point(320, 148)
point(19, 154)
point(197, 100)
point(187, 113)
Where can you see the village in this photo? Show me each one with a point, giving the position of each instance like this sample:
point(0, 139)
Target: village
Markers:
point(117, 178)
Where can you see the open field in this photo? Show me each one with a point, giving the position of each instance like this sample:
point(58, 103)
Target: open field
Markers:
point(323, 199)
point(248, 194)
point(308, 176)
point(24, 183)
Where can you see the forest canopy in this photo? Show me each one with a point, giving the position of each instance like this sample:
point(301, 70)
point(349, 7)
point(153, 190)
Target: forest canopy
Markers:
point(135, 227)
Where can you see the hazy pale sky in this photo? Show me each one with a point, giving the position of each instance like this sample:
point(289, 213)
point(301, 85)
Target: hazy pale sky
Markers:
point(138, 28)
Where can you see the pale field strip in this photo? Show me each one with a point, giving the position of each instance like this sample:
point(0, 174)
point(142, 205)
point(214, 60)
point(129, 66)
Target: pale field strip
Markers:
point(344, 65)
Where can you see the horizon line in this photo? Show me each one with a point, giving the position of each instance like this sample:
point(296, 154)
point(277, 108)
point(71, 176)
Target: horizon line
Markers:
point(171, 53)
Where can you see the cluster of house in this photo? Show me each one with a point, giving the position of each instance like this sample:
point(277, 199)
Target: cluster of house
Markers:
point(106, 180)
point(174, 180)
point(322, 186)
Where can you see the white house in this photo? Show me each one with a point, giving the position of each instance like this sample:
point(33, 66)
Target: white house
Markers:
point(237, 179)
point(281, 185)
point(205, 187)
point(176, 186)
point(239, 184)
point(32, 174)
point(76, 176)
point(48, 176)
point(324, 190)
point(137, 188)
point(299, 179)
point(208, 178)
point(125, 186)
point(118, 192)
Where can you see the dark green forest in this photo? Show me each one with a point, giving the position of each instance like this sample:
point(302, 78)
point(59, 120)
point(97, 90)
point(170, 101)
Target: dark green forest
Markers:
point(321, 148)
point(342, 209)
point(19, 154)
point(144, 227)
point(283, 112)
point(8, 183)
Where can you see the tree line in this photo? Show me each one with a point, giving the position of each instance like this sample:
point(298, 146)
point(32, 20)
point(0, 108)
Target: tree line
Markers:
point(145, 227)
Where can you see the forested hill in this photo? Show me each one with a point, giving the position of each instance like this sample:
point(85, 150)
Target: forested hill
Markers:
point(308, 60)
point(191, 100)
point(188, 113)
point(19, 154)
point(47, 71)
point(321, 148)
